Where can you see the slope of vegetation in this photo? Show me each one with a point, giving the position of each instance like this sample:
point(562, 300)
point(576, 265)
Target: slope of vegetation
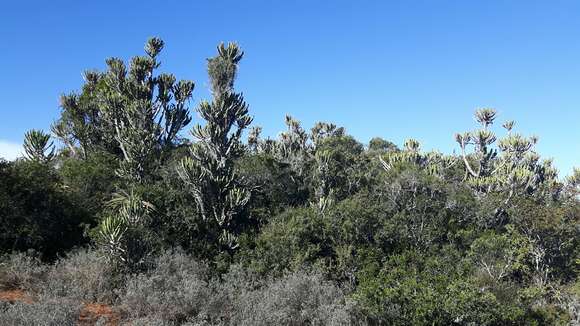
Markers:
point(309, 228)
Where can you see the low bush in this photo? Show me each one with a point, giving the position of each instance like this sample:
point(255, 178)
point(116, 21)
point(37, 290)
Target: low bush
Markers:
point(83, 276)
point(300, 298)
point(179, 290)
point(176, 288)
point(20, 270)
point(47, 313)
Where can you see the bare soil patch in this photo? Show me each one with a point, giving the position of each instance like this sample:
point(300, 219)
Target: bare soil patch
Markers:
point(91, 312)
point(15, 296)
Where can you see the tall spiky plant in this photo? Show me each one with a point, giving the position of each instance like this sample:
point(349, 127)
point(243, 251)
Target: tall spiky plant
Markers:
point(512, 167)
point(131, 111)
point(209, 170)
point(433, 163)
point(324, 193)
point(481, 140)
point(37, 146)
point(294, 146)
point(140, 106)
point(509, 168)
point(136, 114)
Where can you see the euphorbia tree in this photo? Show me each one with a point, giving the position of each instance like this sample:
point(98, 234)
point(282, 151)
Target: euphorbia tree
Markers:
point(209, 170)
point(433, 163)
point(513, 167)
point(37, 146)
point(130, 111)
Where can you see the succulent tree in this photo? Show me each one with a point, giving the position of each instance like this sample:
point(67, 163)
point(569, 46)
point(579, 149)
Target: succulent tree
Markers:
point(256, 144)
point(141, 109)
point(433, 163)
point(511, 167)
point(503, 168)
point(324, 192)
point(324, 158)
point(129, 111)
point(294, 147)
point(82, 126)
point(254, 141)
point(322, 130)
point(135, 114)
point(573, 182)
point(37, 146)
point(209, 170)
point(481, 140)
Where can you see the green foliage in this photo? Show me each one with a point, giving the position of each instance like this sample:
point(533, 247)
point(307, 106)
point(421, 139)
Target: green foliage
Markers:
point(338, 241)
point(307, 228)
point(413, 289)
point(92, 179)
point(290, 240)
point(380, 145)
point(36, 211)
point(273, 184)
point(552, 237)
point(339, 169)
point(498, 256)
point(424, 212)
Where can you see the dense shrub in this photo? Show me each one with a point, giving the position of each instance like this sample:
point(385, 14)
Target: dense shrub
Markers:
point(176, 288)
point(289, 241)
point(91, 179)
point(346, 167)
point(336, 242)
point(443, 289)
point(179, 289)
point(295, 299)
point(21, 271)
point(36, 211)
point(82, 276)
point(412, 289)
point(46, 313)
point(570, 302)
point(274, 186)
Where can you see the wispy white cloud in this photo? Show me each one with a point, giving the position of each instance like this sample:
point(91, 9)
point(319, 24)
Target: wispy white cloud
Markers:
point(10, 150)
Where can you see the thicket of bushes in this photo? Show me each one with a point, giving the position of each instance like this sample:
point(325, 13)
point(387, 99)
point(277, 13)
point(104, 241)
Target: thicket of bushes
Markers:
point(311, 227)
point(176, 289)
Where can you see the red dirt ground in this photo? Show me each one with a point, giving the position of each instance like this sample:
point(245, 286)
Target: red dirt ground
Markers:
point(93, 311)
point(15, 296)
point(89, 315)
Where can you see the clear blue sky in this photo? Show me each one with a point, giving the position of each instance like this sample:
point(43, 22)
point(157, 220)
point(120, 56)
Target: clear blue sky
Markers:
point(394, 69)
